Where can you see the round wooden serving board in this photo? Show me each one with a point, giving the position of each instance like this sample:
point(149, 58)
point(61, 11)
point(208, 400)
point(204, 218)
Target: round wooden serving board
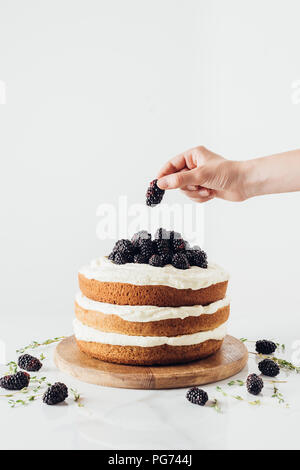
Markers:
point(230, 360)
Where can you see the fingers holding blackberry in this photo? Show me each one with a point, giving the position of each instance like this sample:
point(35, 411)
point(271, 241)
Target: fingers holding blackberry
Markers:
point(180, 179)
point(203, 175)
point(199, 195)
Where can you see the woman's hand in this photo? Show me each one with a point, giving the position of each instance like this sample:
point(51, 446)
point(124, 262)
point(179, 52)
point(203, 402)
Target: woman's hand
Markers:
point(203, 175)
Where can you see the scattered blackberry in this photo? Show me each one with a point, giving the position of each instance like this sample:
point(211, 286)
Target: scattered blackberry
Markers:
point(180, 261)
point(154, 194)
point(254, 384)
point(199, 258)
point(162, 246)
point(120, 258)
point(156, 260)
point(15, 382)
point(140, 259)
point(264, 346)
point(269, 368)
point(146, 248)
point(197, 396)
point(29, 363)
point(57, 393)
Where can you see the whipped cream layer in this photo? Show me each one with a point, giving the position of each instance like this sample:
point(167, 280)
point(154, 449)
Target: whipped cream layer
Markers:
point(147, 313)
point(104, 270)
point(86, 333)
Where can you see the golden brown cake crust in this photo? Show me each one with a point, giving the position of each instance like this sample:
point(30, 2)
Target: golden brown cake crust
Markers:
point(160, 296)
point(169, 327)
point(137, 355)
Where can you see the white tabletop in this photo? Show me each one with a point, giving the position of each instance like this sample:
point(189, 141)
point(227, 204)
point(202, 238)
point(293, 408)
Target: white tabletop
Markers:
point(141, 419)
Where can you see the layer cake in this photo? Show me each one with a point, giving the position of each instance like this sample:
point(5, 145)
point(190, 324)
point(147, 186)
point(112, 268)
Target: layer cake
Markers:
point(141, 314)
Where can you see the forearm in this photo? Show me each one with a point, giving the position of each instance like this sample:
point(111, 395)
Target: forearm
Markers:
point(274, 174)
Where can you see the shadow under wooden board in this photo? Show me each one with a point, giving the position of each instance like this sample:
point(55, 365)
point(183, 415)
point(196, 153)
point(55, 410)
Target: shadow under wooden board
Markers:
point(230, 360)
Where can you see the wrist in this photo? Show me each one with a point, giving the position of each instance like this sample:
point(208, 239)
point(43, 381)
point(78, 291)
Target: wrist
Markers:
point(250, 178)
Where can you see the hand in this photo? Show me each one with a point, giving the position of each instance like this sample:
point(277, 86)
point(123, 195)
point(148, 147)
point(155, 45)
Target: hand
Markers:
point(203, 175)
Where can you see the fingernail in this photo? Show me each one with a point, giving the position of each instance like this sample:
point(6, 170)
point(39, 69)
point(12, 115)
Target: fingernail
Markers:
point(162, 183)
point(204, 192)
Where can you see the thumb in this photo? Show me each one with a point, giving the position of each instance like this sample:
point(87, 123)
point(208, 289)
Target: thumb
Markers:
point(180, 179)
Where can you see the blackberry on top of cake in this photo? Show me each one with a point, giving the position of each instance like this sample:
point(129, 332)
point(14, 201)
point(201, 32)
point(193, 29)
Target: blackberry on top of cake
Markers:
point(167, 247)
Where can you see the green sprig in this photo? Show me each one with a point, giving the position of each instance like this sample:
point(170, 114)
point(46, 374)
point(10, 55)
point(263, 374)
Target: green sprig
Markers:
point(277, 394)
point(36, 344)
point(76, 397)
point(278, 345)
point(240, 383)
point(13, 367)
point(283, 364)
point(236, 397)
point(215, 405)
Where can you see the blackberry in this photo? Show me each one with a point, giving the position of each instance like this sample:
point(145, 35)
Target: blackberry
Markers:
point(154, 194)
point(178, 244)
point(161, 233)
point(156, 260)
point(125, 247)
point(186, 245)
point(254, 384)
point(190, 256)
point(120, 258)
point(162, 246)
point(264, 346)
point(29, 363)
point(57, 393)
point(180, 261)
point(140, 259)
point(15, 382)
point(174, 235)
point(166, 259)
point(146, 248)
point(197, 396)
point(269, 368)
point(138, 236)
point(199, 258)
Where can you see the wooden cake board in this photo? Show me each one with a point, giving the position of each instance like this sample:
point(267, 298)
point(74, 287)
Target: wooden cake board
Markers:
point(230, 360)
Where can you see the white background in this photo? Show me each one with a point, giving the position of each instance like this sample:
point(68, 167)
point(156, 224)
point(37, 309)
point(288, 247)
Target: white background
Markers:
point(99, 94)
